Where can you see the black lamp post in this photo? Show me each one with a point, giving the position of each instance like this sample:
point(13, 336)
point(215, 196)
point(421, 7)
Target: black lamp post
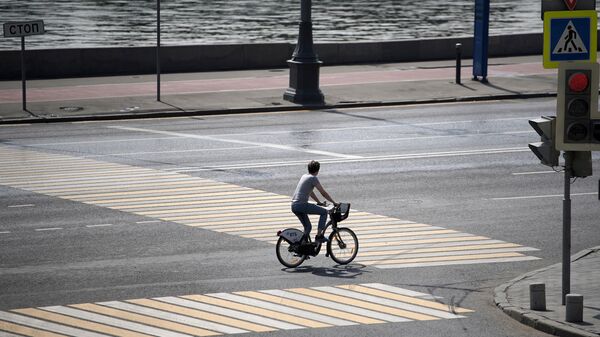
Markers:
point(304, 65)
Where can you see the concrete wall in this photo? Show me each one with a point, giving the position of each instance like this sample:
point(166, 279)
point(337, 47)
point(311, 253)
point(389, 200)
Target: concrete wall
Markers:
point(60, 63)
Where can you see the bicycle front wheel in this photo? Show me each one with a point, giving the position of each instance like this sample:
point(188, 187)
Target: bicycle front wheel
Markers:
point(286, 255)
point(342, 245)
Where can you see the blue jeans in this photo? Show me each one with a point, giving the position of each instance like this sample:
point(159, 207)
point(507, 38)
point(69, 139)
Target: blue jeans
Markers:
point(303, 209)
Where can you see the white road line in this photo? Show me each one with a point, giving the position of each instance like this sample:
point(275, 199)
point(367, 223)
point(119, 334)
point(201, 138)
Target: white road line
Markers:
point(359, 160)
point(210, 138)
point(102, 141)
point(174, 151)
point(530, 173)
point(5, 232)
point(101, 225)
point(48, 229)
point(20, 206)
point(147, 222)
point(544, 196)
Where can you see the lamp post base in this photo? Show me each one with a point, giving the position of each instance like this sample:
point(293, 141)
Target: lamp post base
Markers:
point(304, 83)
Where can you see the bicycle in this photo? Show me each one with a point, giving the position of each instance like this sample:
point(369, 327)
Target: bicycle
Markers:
point(293, 247)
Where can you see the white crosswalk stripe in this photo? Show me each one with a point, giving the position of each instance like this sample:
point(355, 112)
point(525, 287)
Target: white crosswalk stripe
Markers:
point(385, 242)
point(231, 313)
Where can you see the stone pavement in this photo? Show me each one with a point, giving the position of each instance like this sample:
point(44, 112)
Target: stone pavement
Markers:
point(513, 297)
point(262, 90)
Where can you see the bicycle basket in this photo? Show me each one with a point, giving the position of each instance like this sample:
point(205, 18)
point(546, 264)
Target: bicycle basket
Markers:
point(341, 212)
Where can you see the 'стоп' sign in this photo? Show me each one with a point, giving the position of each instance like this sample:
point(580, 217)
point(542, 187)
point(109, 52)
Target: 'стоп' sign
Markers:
point(20, 29)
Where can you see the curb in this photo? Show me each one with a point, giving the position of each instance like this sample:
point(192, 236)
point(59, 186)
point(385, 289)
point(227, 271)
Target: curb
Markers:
point(180, 113)
point(530, 318)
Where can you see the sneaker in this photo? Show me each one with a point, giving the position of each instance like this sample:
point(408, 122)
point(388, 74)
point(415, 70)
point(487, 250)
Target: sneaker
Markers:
point(321, 239)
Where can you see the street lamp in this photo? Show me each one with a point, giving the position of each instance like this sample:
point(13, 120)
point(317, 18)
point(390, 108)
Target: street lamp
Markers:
point(304, 65)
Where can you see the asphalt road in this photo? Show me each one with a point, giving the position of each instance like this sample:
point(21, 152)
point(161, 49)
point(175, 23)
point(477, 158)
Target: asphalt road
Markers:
point(460, 167)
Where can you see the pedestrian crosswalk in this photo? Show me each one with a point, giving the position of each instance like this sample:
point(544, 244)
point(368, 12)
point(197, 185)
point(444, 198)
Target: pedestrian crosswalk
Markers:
point(231, 313)
point(385, 242)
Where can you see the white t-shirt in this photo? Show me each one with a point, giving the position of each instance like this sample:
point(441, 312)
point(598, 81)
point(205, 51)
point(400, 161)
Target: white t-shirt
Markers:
point(305, 186)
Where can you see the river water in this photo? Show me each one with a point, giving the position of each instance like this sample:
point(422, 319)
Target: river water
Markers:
point(104, 23)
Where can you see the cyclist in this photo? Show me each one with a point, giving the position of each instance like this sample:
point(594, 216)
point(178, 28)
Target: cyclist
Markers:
point(301, 207)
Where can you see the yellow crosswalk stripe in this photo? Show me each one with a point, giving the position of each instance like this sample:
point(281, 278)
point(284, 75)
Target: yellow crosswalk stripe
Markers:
point(405, 242)
point(442, 258)
point(255, 310)
point(310, 307)
point(26, 331)
point(266, 197)
point(160, 323)
point(363, 304)
point(439, 249)
point(205, 315)
point(233, 209)
point(50, 316)
point(404, 298)
point(214, 187)
point(233, 313)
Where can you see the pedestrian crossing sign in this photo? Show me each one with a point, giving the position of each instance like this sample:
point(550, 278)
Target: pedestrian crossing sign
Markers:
point(569, 36)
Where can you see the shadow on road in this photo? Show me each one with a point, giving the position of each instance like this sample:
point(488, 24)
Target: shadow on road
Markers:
point(344, 272)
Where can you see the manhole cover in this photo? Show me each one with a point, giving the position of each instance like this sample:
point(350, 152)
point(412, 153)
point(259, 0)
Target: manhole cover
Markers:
point(71, 108)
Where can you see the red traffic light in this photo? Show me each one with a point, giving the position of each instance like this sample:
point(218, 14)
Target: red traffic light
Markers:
point(578, 82)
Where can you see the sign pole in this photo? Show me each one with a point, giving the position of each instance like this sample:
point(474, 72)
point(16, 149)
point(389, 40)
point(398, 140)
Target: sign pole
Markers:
point(23, 73)
point(158, 50)
point(566, 265)
point(481, 40)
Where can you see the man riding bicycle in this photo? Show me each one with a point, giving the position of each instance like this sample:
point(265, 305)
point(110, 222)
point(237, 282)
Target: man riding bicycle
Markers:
point(301, 207)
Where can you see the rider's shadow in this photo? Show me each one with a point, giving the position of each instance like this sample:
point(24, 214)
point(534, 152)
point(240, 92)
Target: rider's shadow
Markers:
point(348, 271)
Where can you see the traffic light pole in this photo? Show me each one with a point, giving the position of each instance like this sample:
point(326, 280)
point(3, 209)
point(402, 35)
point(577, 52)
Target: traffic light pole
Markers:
point(566, 265)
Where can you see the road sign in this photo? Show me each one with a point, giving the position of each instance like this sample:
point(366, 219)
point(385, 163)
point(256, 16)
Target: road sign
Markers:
point(570, 36)
point(571, 4)
point(20, 29)
point(562, 5)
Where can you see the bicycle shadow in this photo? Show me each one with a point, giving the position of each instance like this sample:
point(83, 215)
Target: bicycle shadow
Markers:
point(348, 271)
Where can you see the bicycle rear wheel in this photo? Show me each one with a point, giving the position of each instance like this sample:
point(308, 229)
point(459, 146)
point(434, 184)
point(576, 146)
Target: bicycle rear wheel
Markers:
point(286, 255)
point(342, 245)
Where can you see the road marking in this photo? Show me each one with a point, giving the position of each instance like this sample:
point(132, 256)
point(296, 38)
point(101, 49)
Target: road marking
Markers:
point(100, 225)
point(232, 313)
point(389, 312)
point(21, 206)
point(428, 155)
point(531, 173)
point(544, 196)
point(250, 213)
point(184, 320)
point(48, 229)
point(5, 232)
point(75, 322)
point(215, 139)
point(204, 315)
point(40, 324)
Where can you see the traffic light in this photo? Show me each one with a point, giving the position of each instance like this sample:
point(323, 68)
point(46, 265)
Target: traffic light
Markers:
point(546, 149)
point(578, 120)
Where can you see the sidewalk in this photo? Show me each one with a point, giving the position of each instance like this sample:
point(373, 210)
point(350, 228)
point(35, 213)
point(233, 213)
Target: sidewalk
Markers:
point(262, 90)
point(513, 297)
